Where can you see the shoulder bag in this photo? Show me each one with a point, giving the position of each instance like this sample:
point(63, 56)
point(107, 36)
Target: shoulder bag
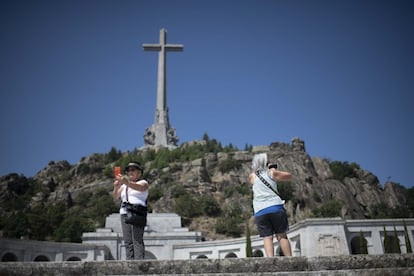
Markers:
point(136, 213)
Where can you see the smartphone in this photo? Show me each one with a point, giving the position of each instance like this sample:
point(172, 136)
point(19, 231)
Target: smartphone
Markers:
point(274, 166)
point(117, 171)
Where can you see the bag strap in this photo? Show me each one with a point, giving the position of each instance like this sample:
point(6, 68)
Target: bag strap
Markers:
point(266, 183)
point(126, 193)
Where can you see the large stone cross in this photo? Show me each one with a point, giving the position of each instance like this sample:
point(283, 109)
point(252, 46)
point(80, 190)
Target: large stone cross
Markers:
point(160, 133)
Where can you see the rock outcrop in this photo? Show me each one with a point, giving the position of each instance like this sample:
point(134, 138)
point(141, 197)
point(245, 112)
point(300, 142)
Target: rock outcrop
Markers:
point(313, 183)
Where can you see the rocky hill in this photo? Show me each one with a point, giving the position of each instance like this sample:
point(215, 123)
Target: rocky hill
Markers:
point(210, 191)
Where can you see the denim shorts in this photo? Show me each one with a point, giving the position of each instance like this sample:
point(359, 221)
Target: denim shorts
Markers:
point(273, 223)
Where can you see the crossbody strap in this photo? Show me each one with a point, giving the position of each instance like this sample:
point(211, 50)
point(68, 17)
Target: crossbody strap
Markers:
point(126, 193)
point(266, 183)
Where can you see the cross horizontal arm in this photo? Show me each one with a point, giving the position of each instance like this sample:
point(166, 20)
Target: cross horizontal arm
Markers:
point(151, 47)
point(174, 47)
point(167, 47)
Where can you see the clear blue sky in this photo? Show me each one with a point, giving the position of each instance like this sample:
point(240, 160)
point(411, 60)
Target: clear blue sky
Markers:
point(75, 80)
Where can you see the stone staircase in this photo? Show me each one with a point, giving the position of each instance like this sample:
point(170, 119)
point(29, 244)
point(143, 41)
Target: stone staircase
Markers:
point(355, 265)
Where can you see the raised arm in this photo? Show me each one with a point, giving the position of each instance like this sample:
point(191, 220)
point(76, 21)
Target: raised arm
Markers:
point(140, 185)
point(280, 175)
point(116, 192)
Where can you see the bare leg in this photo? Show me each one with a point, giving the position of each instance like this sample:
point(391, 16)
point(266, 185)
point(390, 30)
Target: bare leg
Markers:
point(284, 244)
point(268, 246)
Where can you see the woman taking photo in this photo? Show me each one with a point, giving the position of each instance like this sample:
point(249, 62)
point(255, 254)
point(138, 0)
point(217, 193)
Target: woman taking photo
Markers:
point(269, 212)
point(134, 190)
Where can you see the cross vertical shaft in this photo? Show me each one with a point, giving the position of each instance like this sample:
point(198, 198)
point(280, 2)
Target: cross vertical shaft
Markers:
point(160, 133)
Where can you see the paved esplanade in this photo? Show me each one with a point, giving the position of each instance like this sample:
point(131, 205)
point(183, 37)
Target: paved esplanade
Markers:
point(160, 133)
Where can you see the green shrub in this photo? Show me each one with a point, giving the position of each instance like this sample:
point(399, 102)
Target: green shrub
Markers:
point(84, 169)
point(15, 225)
point(71, 229)
point(191, 206)
point(228, 165)
point(409, 194)
point(155, 193)
point(378, 211)
point(286, 190)
point(316, 197)
point(244, 189)
point(340, 170)
point(209, 205)
point(230, 223)
point(109, 172)
point(83, 198)
point(99, 206)
point(177, 191)
point(187, 206)
point(381, 211)
point(229, 226)
point(332, 208)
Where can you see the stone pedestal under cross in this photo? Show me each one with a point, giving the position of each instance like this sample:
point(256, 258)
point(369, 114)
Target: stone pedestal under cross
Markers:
point(160, 133)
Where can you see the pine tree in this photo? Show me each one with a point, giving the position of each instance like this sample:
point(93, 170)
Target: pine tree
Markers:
point(396, 245)
point(362, 244)
point(249, 252)
point(407, 239)
point(387, 247)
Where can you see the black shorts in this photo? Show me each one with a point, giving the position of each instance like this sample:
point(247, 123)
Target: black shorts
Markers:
point(273, 223)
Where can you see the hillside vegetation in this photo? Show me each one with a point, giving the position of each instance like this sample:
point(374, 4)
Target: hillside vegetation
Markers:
point(202, 181)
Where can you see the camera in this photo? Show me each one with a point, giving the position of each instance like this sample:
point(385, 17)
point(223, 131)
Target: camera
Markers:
point(272, 166)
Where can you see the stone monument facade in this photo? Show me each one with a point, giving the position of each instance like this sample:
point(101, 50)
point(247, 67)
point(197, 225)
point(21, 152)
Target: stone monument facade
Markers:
point(161, 133)
point(166, 239)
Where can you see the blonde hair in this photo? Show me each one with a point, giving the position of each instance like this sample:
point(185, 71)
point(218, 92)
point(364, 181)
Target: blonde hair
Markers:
point(259, 161)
